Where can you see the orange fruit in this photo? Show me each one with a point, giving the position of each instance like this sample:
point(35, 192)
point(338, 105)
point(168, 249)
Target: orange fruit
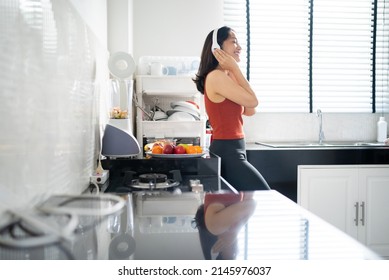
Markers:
point(199, 150)
point(191, 150)
point(157, 149)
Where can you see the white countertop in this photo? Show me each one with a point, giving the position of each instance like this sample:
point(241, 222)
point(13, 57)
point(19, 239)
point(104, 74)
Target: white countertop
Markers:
point(279, 229)
point(297, 145)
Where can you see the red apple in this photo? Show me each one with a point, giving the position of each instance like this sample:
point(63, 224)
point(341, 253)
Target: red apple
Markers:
point(168, 149)
point(179, 150)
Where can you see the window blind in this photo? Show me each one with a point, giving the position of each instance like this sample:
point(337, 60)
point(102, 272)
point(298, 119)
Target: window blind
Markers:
point(277, 44)
point(342, 52)
point(303, 55)
point(382, 58)
point(279, 54)
point(235, 16)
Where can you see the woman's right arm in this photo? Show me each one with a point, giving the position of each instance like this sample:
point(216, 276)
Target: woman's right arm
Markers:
point(219, 219)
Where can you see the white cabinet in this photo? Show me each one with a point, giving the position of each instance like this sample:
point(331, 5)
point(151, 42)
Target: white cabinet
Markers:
point(354, 198)
point(374, 192)
point(162, 90)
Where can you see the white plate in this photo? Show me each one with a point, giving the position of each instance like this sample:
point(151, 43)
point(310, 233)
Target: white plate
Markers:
point(186, 105)
point(185, 110)
point(175, 155)
point(181, 116)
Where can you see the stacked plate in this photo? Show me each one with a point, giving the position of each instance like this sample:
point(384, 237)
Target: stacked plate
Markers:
point(160, 116)
point(183, 111)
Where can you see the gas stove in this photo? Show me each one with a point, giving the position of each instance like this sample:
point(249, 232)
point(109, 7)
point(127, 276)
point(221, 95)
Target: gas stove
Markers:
point(160, 174)
point(154, 181)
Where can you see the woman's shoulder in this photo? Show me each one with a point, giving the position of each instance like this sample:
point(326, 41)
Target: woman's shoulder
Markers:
point(215, 79)
point(217, 74)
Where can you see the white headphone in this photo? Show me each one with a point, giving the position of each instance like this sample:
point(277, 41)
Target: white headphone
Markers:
point(215, 45)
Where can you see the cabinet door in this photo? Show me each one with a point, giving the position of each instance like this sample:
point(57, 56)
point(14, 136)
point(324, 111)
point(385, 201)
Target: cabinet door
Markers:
point(374, 193)
point(330, 193)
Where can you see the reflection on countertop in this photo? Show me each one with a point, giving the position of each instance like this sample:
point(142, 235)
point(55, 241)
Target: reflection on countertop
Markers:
point(160, 226)
point(281, 230)
point(278, 229)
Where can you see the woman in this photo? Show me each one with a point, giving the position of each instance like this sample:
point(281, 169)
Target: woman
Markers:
point(228, 96)
point(219, 221)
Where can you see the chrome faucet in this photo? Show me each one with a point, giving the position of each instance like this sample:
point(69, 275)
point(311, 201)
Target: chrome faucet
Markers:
point(321, 132)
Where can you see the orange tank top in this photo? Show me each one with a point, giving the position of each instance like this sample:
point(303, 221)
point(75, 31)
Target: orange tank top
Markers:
point(225, 119)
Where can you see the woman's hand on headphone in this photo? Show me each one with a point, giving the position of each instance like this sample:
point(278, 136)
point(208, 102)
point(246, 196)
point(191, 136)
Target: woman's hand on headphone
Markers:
point(226, 61)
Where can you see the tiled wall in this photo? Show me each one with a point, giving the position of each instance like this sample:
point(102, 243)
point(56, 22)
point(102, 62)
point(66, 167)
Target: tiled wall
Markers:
point(51, 69)
point(305, 127)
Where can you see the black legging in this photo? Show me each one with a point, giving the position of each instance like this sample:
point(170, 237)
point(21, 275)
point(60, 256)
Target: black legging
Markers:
point(234, 165)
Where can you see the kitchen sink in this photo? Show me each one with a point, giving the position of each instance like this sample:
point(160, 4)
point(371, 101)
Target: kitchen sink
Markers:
point(328, 144)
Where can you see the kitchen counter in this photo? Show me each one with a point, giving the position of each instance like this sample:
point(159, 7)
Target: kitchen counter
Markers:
point(303, 145)
point(279, 229)
point(160, 227)
point(279, 165)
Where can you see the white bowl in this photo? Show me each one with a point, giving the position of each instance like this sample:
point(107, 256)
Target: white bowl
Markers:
point(159, 115)
point(181, 116)
point(185, 104)
point(184, 109)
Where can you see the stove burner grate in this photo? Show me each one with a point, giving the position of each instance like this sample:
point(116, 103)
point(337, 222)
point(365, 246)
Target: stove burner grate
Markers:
point(151, 185)
point(153, 178)
point(151, 181)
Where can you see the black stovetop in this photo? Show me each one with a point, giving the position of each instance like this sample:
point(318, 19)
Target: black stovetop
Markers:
point(123, 171)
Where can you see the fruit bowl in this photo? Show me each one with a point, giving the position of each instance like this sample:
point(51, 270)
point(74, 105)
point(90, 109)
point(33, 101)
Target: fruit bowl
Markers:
point(168, 147)
point(175, 155)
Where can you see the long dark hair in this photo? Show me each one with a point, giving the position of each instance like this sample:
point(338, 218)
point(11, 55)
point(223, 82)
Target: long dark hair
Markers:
point(208, 61)
point(207, 239)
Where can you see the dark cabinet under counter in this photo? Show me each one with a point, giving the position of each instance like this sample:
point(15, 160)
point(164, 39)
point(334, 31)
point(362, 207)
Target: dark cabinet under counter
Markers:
point(279, 166)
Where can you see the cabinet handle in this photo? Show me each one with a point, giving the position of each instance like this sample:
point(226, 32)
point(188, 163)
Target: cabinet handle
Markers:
point(356, 205)
point(362, 213)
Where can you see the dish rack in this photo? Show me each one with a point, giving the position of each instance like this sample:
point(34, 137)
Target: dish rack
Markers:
point(161, 91)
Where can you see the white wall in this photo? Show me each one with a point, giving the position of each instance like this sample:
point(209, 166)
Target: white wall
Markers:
point(94, 14)
point(120, 21)
point(305, 127)
point(174, 27)
point(52, 67)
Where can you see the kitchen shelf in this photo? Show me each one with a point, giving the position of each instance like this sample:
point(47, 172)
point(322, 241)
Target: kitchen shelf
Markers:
point(165, 84)
point(167, 93)
point(162, 91)
point(173, 129)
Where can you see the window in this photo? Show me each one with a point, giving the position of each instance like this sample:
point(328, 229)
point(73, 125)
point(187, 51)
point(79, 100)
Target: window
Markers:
point(382, 58)
point(308, 54)
point(342, 55)
point(235, 13)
